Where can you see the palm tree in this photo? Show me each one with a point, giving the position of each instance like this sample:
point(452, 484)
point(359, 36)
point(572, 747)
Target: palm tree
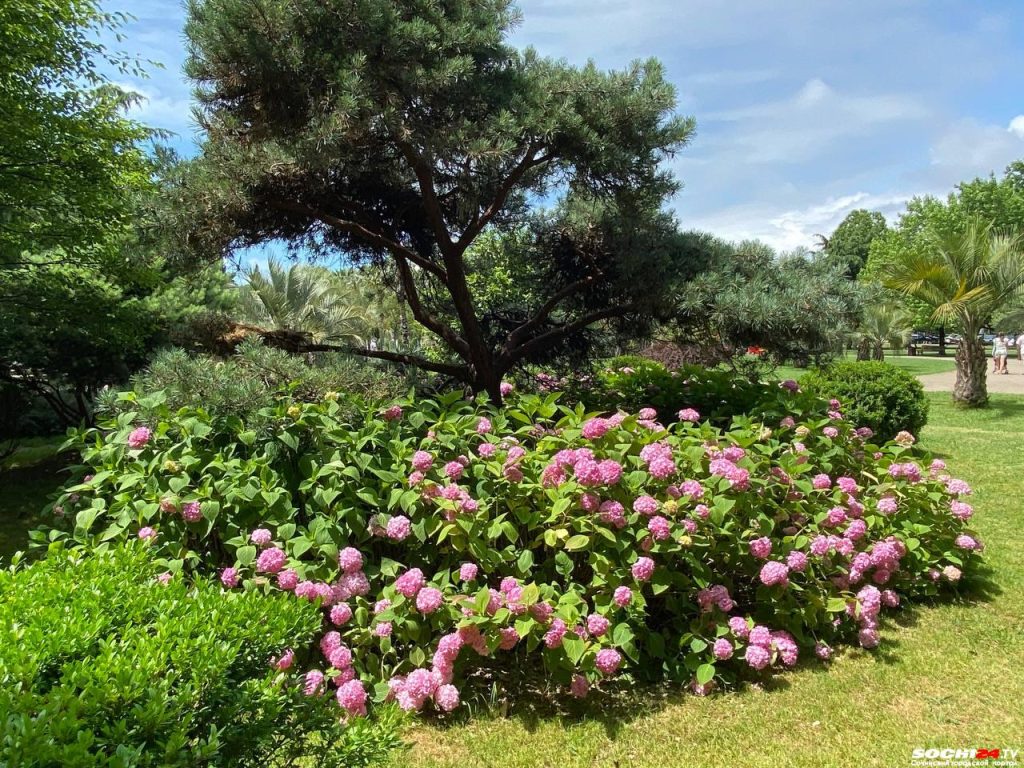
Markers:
point(885, 323)
point(964, 278)
point(304, 298)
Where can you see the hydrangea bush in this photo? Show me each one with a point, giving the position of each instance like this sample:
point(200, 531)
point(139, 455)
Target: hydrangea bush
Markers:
point(442, 535)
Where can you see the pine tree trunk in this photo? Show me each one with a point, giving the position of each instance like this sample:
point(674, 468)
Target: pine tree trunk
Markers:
point(971, 388)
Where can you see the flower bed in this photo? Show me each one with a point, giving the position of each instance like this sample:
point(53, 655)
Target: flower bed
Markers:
point(599, 547)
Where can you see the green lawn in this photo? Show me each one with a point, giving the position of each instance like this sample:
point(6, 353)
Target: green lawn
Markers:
point(949, 675)
point(917, 365)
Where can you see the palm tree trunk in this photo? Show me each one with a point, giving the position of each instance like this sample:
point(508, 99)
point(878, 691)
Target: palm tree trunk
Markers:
point(971, 387)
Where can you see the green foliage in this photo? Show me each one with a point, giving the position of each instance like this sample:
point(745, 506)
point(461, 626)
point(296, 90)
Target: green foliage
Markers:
point(70, 162)
point(320, 483)
point(850, 243)
point(101, 664)
point(877, 395)
point(395, 125)
point(252, 381)
point(793, 307)
point(997, 202)
point(632, 383)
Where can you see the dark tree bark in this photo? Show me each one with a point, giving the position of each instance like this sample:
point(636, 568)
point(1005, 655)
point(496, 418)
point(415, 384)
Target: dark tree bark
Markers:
point(971, 388)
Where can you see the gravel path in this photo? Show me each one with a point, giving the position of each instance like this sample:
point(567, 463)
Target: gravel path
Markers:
point(1012, 383)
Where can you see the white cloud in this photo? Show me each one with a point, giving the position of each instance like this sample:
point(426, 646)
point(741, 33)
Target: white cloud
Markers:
point(157, 110)
point(811, 121)
point(786, 229)
point(1017, 126)
point(968, 148)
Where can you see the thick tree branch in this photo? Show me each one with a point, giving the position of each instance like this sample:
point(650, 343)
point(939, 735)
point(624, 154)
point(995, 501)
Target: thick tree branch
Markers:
point(423, 317)
point(460, 372)
point(521, 333)
point(549, 338)
point(425, 179)
point(530, 160)
point(371, 236)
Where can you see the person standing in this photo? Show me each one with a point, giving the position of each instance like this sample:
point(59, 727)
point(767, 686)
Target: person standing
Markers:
point(999, 351)
point(1020, 346)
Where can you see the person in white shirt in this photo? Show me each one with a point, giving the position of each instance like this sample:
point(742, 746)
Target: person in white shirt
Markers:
point(1020, 347)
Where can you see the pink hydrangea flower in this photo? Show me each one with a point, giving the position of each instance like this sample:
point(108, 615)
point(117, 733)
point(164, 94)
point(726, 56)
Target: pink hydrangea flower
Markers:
point(774, 574)
point(758, 657)
point(422, 461)
point(399, 527)
point(643, 569)
point(961, 510)
point(410, 582)
point(623, 596)
point(608, 661)
point(506, 389)
point(483, 426)
point(147, 534)
point(739, 627)
point(553, 637)
point(645, 505)
point(446, 697)
point(313, 683)
point(394, 413)
point(261, 537)
point(821, 482)
point(288, 579)
point(286, 660)
point(271, 560)
point(191, 511)
point(597, 624)
point(688, 414)
point(486, 450)
point(595, 428)
point(963, 541)
point(429, 600)
point(350, 559)
point(579, 687)
point(453, 470)
point(722, 649)
point(229, 577)
point(887, 505)
point(383, 629)
point(352, 697)
point(139, 437)
point(660, 528)
point(340, 614)
point(468, 571)
point(830, 432)
point(761, 547)
point(797, 561)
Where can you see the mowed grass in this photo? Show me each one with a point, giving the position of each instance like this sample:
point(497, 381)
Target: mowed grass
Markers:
point(919, 365)
point(946, 675)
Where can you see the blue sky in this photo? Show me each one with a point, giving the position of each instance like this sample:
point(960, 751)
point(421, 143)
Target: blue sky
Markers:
point(806, 109)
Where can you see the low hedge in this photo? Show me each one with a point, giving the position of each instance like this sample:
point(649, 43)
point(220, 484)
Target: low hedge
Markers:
point(105, 663)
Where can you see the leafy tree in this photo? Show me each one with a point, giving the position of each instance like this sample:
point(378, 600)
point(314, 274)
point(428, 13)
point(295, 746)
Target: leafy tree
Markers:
point(884, 323)
point(793, 307)
point(964, 276)
point(303, 298)
point(398, 133)
point(70, 161)
point(850, 243)
point(999, 202)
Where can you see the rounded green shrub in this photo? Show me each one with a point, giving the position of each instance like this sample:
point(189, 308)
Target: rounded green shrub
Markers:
point(103, 662)
point(883, 397)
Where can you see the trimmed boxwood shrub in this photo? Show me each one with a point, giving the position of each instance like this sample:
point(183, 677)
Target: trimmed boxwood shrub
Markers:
point(105, 663)
point(878, 395)
point(443, 535)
